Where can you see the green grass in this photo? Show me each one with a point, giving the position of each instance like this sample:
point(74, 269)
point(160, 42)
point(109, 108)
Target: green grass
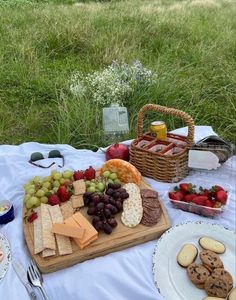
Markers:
point(191, 45)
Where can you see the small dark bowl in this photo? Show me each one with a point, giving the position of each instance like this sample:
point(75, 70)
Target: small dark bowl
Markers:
point(8, 215)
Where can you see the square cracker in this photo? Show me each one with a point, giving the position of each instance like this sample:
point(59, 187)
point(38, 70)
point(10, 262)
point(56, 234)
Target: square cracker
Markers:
point(48, 252)
point(79, 187)
point(77, 201)
point(38, 240)
point(63, 242)
point(47, 235)
point(67, 209)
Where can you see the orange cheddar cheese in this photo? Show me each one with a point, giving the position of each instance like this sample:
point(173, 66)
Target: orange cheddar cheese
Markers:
point(90, 233)
point(67, 230)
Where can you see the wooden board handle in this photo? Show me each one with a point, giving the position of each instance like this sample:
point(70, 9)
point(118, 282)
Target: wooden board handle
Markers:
point(168, 111)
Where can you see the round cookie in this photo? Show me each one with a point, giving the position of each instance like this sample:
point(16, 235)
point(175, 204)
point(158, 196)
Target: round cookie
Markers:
point(1, 255)
point(210, 260)
point(198, 274)
point(224, 274)
point(216, 286)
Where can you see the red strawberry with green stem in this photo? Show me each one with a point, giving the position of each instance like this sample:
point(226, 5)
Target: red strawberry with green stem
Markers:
point(179, 195)
point(200, 200)
point(64, 193)
point(187, 187)
point(54, 199)
point(78, 175)
point(221, 196)
point(90, 173)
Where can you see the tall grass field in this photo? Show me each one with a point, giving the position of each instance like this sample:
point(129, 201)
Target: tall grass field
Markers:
point(190, 45)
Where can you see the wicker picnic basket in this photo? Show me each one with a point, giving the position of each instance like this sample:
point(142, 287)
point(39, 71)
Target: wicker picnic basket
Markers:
point(162, 165)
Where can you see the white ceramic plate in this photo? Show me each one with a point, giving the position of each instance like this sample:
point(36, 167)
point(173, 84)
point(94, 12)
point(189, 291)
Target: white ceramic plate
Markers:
point(170, 279)
point(5, 247)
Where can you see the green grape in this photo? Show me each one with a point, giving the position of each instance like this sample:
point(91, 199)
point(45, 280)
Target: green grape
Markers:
point(87, 183)
point(62, 180)
point(113, 176)
point(45, 190)
point(47, 178)
point(46, 184)
point(31, 191)
point(44, 199)
point(117, 181)
point(38, 203)
point(101, 187)
point(40, 193)
point(110, 181)
point(55, 189)
point(92, 184)
point(67, 174)
point(36, 179)
point(91, 189)
point(26, 198)
point(56, 176)
point(56, 183)
point(33, 200)
point(28, 204)
point(106, 174)
point(27, 186)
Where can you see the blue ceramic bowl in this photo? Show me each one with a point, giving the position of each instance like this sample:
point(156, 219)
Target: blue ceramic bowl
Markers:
point(7, 215)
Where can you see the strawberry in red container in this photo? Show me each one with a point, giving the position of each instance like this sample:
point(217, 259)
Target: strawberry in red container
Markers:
point(187, 187)
point(221, 196)
point(178, 196)
point(189, 197)
point(200, 200)
point(64, 193)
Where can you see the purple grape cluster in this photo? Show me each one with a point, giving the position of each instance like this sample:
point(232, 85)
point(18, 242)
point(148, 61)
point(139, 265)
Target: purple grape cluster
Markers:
point(103, 207)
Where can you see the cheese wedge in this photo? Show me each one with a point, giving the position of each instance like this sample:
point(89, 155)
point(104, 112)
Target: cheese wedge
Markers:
point(90, 233)
point(67, 230)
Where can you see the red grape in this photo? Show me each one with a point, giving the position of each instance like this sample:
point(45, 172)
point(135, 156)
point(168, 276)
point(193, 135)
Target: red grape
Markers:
point(112, 222)
point(107, 228)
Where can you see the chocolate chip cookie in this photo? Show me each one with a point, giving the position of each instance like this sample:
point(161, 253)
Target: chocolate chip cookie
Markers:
point(219, 272)
point(216, 286)
point(210, 260)
point(198, 274)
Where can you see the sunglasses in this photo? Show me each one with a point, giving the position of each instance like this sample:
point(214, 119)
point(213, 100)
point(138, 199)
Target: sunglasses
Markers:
point(52, 154)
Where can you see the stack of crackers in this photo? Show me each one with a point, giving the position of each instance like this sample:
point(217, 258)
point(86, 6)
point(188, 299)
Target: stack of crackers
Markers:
point(57, 225)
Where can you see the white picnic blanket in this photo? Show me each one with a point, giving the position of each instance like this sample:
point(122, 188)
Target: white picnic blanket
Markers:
point(123, 275)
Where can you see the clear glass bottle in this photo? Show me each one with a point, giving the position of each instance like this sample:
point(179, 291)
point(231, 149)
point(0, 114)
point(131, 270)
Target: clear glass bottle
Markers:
point(115, 123)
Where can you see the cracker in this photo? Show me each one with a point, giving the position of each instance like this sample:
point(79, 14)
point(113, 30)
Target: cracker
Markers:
point(67, 209)
point(38, 240)
point(77, 201)
point(63, 242)
point(48, 252)
point(47, 235)
point(79, 187)
point(132, 206)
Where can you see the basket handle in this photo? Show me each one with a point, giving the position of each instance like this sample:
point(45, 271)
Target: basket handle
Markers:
point(171, 111)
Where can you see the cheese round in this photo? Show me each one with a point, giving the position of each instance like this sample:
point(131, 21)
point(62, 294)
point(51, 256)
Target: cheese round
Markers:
point(124, 170)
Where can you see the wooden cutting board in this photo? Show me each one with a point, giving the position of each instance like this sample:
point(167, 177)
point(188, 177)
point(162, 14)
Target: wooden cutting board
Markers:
point(121, 238)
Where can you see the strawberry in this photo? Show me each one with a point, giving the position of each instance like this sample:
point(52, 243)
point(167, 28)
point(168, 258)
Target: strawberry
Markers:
point(189, 197)
point(187, 187)
point(221, 196)
point(90, 173)
point(32, 217)
point(209, 203)
point(78, 175)
point(64, 193)
point(176, 195)
point(54, 199)
point(215, 188)
point(200, 200)
point(204, 192)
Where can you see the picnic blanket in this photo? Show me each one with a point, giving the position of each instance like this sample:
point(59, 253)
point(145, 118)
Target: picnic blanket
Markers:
point(122, 275)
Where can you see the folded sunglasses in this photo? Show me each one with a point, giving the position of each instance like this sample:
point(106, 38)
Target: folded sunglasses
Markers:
point(52, 154)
